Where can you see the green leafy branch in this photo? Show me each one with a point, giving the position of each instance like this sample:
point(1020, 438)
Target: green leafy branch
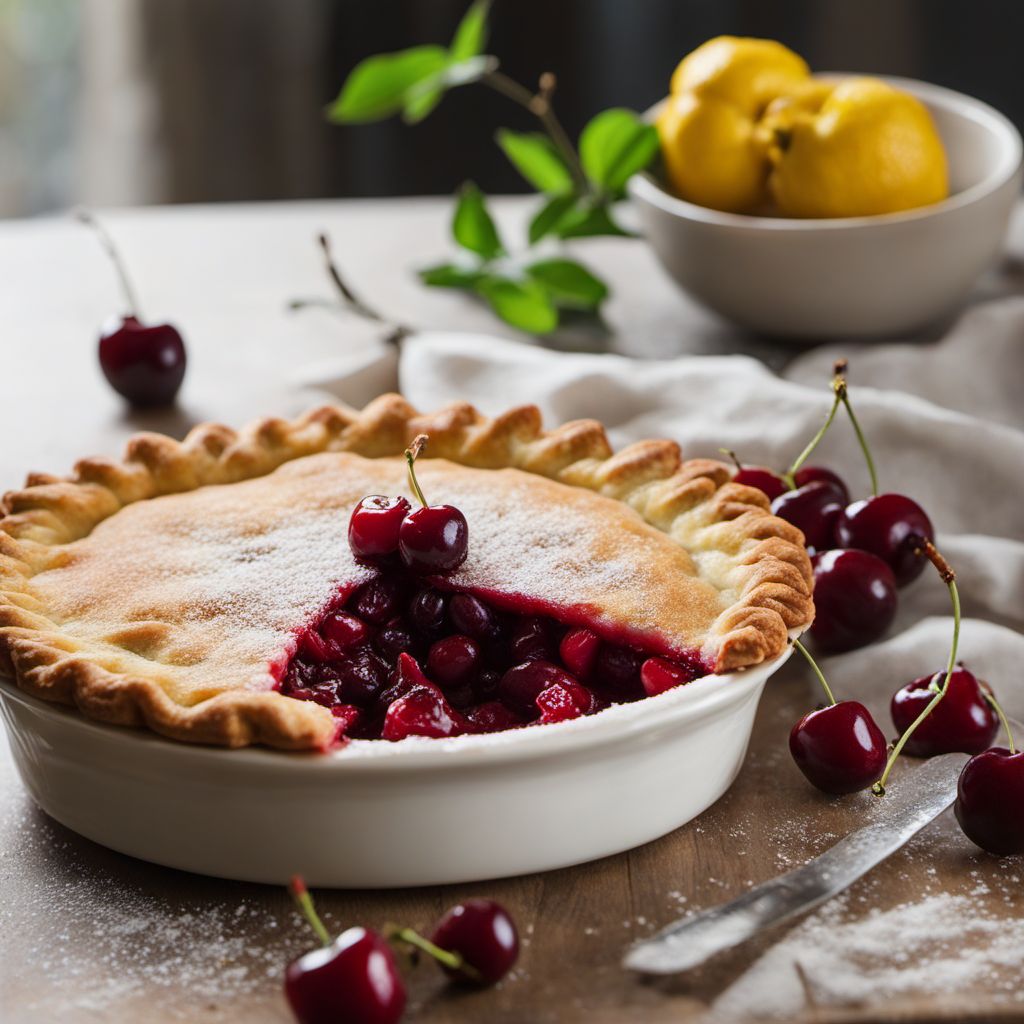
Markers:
point(578, 187)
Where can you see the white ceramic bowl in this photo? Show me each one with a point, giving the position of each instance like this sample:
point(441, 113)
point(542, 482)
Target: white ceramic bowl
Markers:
point(376, 814)
point(852, 276)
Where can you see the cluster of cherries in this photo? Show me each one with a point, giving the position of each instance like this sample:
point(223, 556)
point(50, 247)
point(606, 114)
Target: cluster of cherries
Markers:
point(404, 655)
point(355, 977)
point(144, 363)
point(861, 552)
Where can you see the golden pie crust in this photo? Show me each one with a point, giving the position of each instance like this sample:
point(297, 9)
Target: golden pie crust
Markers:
point(162, 591)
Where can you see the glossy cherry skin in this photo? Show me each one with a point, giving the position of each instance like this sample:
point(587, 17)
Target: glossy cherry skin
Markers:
point(354, 980)
point(434, 539)
point(839, 748)
point(422, 712)
point(522, 684)
point(374, 524)
point(144, 364)
point(453, 660)
point(578, 650)
point(658, 675)
point(990, 801)
point(854, 599)
point(814, 510)
point(821, 474)
point(483, 933)
point(763, 479)
point(962, 721)
point(887, 525)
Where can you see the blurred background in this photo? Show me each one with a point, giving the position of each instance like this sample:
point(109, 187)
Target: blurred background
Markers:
point(120, 102)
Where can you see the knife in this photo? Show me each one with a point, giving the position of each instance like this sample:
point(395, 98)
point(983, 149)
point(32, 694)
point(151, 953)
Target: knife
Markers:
point(920, 797)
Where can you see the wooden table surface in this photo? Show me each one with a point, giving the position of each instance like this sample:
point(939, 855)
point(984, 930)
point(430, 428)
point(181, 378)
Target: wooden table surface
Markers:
point(89, 935)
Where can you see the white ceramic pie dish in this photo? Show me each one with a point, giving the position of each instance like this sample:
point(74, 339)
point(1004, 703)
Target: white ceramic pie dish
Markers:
point(377, 814)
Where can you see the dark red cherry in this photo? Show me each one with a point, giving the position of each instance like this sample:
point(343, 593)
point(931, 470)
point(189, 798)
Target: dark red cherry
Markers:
point(763, 479)
point(578, 650)
point(483, 933)
point(854, 599)
point(492, 716)
point(427, 611)
point(563, 701)
point(821, 474)
point(361, 676)
point(521, 685)
point(405, 677)
point(618, 671)
point(658, 675)
point(393, 638)
point(355, 980)
point(839, 748)
point(531, 639)
point(813, 509)
point(887, 525)
point(377, 601)
point(471, 616)
point(422, 712)
point(453, 660)
point(343, 631)
point(990, 801)
point(962, 721)
point(144, 364)
point(373, 526)
point(434, 539)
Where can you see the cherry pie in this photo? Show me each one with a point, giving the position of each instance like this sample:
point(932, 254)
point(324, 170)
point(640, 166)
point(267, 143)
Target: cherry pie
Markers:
point(206, 589)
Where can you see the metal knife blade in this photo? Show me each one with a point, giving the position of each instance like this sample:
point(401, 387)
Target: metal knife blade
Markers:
point(919, 798)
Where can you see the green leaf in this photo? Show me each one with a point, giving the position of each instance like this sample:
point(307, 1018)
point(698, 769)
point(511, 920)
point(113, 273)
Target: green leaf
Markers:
point(614, 146)
point(472, 226)
point(537, 160)
point(451, 275)
point(471, 35)
point(523, 304)
point(378, 86)
point(426, 94)
point(569, 283)
point(549, 216)
point(588, 221)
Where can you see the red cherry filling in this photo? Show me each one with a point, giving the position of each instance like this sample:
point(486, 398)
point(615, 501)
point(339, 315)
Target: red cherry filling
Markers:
point(963, 720)
point(394, 659)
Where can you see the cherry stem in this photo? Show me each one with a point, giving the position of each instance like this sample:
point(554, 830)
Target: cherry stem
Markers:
point(817, 671)
point(735, 460)
point(990, 697)
point(349, 300)
point(790, 475)
point(412, 453)
point(925, 547)
point(843, 394)
point(453, 961)
point(539, 104)
point(89, 219)
point(297, 887)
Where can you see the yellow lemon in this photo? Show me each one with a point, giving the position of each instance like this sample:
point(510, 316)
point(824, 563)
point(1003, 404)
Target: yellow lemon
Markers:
point(713, 155)
point(850, 149)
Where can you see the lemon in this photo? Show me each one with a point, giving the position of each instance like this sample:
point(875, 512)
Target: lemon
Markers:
point(712, 152)
point(852, 148)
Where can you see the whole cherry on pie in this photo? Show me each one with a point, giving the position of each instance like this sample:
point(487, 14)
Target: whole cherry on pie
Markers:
point(431, 538)
point(353, 978)
point(144, 363)
point(374, 525)
point(964, 720)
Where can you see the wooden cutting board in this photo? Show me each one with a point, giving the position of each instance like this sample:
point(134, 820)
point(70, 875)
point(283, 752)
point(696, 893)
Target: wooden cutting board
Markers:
point(87, 934)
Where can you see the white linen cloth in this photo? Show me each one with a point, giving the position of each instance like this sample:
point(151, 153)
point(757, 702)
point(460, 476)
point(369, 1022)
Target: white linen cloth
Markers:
point(960, 455)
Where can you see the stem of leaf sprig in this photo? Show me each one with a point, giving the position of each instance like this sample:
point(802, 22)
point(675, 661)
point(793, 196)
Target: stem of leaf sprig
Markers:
point(445, 957)
point(817, 671)
point(925, 547)
point(539, 104)
point(841, 396)
point(297, 887)
point(349, 300)
point(412, 453)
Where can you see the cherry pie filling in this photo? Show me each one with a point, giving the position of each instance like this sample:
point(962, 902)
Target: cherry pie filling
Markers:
point(403, 655)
